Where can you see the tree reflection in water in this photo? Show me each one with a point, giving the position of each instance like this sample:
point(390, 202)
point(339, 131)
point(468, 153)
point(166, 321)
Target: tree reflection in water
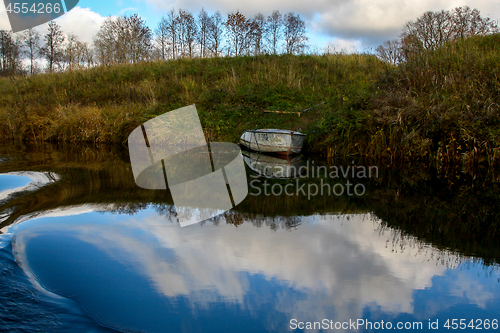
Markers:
point(449, 209)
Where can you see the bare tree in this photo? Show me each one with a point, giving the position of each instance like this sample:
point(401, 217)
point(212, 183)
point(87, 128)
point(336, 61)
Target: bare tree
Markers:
point(294, 33)
point(32, 47)
point(410, 47)
point(82, 53)
point(259, 28)
point(53, 48)
point(274, 31)
point(123, 40)
point(104, 43)
point(390, 51)
point(10, 53)
point(86, 54)
point(162, 38)
point(78, 54)
point(215, 33)
point(433, 29)
point(203, 31)
point(71, 51)
point(187, 35)
point(137, 37)
point(467, 22)
point(173, 27)
point(240, 31)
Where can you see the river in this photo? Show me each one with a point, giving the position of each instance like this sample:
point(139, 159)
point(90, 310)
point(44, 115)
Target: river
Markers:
point(84, 249)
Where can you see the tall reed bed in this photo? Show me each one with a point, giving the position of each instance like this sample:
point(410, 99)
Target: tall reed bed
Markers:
point(440, 106)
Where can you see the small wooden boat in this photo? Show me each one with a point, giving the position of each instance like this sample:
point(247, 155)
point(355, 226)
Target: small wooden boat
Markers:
point(273, 141)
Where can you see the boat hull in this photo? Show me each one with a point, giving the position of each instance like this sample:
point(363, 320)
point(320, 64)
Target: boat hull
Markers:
point(273, 141)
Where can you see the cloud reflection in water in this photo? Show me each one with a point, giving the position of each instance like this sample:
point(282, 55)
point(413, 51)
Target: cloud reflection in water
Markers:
point(142, 272)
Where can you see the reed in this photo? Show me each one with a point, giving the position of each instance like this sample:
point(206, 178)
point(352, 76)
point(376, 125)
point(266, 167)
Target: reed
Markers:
point(440, 106)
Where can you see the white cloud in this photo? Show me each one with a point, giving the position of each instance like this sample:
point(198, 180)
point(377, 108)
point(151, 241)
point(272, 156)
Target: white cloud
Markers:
point(124, 10)
point(4, 19)
point(343, 45)
point(82, 22)
point(369, 21)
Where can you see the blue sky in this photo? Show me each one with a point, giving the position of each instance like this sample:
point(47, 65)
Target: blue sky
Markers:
point(152, 14)
point(120, 7)
point(340, 24)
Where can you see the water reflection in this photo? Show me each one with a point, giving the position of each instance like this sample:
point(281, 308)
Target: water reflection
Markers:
point(143, 274)
point(456, 211)
point(417, 246)
point(274, 166)
point(14, 182)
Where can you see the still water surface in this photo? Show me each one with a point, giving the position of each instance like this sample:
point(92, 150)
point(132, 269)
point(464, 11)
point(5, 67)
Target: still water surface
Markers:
point(82, 249)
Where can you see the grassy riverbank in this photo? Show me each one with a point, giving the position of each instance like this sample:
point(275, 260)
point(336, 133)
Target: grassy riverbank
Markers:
point(231, 94)
point(440, 106)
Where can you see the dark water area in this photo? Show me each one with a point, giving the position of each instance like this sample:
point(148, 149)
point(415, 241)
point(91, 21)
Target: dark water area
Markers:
point(83, 249)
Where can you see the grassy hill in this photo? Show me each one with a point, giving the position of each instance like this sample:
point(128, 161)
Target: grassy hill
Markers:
point(104, 104)
point(440, 106)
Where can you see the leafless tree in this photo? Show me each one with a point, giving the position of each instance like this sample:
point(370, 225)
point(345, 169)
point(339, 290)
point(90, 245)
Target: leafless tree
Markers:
point(467, 22)
point(187, 35)
point(123, 40)
point(294, 33)
point(53, 49)
point(86, 55)
point(137, 38)
point(259, 27)
point(433, 29)
point(172, 28)
point(71, 51)
point(82, 55)
point(162, 38)
point(410, 46)
point(104, 43)
point(215, 33)
point(32, 47)
point(203, 31)
point(10, 53)
point(240, 31)
point(390, 51)
point(78, 54)
point(274, 31)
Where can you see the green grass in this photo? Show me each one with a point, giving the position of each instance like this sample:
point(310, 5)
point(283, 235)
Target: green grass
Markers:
point(440, 107)
point(105, 104)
